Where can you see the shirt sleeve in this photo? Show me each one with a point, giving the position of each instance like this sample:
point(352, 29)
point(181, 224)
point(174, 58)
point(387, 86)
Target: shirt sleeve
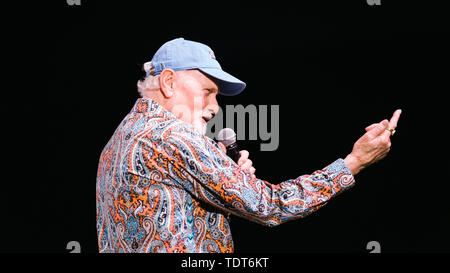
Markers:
point(197, 164)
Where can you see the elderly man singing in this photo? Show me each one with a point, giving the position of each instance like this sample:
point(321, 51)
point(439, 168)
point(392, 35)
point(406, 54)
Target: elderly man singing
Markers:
point(163, 186)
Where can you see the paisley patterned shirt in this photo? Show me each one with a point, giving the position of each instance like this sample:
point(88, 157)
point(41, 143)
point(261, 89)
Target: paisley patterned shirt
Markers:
point(164, 187)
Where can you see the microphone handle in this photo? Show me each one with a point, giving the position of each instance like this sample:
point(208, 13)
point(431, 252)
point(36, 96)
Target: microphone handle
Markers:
point(233, 152)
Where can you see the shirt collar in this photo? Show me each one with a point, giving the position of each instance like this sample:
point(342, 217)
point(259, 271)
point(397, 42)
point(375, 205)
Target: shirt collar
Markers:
point(149, 106)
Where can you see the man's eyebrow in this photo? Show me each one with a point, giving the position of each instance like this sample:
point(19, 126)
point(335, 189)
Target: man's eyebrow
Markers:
point(212, 90)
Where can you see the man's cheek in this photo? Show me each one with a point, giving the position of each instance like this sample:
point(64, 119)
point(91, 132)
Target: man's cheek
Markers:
point(198, 104)
point(183, 112)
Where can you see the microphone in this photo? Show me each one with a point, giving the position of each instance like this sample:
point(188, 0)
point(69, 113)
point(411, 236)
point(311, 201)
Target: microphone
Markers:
point(228, 138)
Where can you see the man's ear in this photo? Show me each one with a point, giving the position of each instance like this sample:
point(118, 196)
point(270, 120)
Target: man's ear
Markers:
point(166, 82)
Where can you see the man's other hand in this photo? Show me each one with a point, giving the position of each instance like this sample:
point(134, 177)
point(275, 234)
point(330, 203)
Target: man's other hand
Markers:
point(244, 162)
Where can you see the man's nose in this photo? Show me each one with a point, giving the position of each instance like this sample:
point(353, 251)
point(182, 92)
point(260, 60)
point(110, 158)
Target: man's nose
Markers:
point(213, 107)
point(211, 111)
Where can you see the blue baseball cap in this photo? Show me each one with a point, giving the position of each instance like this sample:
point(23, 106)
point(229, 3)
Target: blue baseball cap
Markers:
point(181, 54)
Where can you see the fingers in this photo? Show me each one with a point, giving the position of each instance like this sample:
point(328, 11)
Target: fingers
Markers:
point(386, 138)
point(245, 163)
point(392, 123)
point(394, 120)
point(378, 129)
point(370, 127)
point(244, 157)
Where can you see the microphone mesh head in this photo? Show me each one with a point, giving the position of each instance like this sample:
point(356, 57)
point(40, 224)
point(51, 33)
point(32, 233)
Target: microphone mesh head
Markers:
point(227, 136)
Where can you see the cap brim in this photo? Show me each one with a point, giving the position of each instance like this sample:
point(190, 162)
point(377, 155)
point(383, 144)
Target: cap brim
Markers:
point(228, 85)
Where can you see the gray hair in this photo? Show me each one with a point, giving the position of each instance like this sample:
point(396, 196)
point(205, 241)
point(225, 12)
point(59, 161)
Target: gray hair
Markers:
point(148, 83)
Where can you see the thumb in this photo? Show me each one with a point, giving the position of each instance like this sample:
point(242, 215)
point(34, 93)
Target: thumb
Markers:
point(222, 147)
point(370, 127)
point(378, 129)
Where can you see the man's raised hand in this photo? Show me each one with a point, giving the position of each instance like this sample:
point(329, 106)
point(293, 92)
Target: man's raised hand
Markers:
point(373, 145)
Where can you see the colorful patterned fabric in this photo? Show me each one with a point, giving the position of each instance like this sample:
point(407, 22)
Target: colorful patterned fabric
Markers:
point(164, 187)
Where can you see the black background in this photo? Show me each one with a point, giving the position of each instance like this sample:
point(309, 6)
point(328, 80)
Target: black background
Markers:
point(334, 68)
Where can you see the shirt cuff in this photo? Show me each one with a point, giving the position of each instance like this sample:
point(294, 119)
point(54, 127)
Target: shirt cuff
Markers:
point(340, 174)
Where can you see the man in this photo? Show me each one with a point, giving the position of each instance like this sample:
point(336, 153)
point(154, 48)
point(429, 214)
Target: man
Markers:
point(163, 186)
